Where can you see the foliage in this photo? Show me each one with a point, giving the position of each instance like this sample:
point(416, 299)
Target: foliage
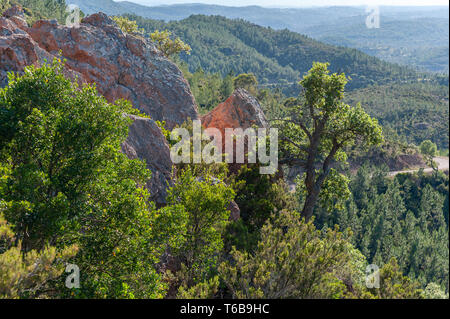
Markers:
point(391, 154)
point(409, 112)
point(429, 151)
point(247, 82)
point(168, 46)
point(55, 139)
point(433, 291)
point(276, 57)
point(39, 9)
point(197, 165)
point(413, 36)
point(64, 181)
point(292, 260)
point(29, 275)
point(67, 193)
point(405, 218)
point(203, 290)
point(127, 26)
point(393, 285)
point(208, 89)
point(205, 199)
point(409, 105)
point(258, 197)
point(414, 40)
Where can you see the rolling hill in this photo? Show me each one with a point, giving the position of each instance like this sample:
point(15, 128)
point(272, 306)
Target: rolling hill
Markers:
point(412, 36)
point(276, 57)
point(414, 111)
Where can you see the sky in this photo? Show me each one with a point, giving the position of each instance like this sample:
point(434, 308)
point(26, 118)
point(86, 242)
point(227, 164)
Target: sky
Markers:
point(299, 3)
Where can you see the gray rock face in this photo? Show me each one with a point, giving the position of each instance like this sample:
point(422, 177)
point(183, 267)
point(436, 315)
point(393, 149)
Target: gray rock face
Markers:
point(146, 142)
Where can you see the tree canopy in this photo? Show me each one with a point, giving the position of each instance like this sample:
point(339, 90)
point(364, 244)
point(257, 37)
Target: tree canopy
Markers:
point(317, 130)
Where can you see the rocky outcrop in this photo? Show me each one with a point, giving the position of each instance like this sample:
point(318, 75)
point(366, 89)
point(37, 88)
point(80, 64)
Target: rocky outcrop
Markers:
point(239, 110)
point(147, 142)
point(381, 157)
point(16, 14)
point(121, 65)
point(17, 48)
point(97, 51)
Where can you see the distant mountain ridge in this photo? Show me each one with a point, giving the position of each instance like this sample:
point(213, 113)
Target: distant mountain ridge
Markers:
point(285, 17)
point(408, 35)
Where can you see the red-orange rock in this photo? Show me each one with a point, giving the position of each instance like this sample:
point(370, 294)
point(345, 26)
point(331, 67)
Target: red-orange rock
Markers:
point(240, 110)
point(97, 51)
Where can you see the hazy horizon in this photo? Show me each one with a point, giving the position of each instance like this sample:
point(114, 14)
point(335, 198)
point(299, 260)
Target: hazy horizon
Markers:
point(295, 3)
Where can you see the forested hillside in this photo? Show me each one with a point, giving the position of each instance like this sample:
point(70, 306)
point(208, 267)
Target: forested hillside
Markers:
point(418, 42)
point(405, 102)
point(275, 57)
point(415, 112)
point(410, 36)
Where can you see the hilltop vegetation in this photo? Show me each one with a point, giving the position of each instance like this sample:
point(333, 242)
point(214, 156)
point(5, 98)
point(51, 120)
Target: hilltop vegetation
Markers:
point(277, 58)
point(409, 113)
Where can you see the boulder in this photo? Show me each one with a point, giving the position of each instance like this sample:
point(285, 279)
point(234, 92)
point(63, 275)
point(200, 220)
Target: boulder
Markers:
point(240, 110)
point(122, 66)
point(17, 48)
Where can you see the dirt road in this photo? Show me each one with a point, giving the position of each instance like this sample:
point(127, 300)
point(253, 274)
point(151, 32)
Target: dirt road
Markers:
point(443, 165)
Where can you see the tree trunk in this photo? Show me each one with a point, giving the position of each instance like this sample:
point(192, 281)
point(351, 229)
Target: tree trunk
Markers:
point(310, 203)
